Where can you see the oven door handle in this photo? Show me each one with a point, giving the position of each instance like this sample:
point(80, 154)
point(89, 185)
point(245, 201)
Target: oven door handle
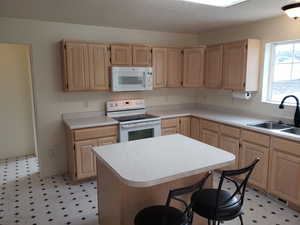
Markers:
point(140, 124)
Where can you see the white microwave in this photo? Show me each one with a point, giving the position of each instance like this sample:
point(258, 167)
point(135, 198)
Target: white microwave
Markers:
point(131, 78)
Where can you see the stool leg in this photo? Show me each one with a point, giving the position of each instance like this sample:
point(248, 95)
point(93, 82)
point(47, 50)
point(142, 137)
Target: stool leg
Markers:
point(208, 222)
point(241, 219)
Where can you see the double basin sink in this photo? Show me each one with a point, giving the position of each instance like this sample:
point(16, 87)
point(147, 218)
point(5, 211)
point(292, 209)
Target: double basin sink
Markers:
point(270, 125)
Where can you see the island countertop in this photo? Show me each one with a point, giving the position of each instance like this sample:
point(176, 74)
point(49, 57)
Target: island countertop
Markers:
point(152, 161)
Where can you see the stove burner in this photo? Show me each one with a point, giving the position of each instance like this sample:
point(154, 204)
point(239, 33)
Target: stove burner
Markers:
point(134, 117)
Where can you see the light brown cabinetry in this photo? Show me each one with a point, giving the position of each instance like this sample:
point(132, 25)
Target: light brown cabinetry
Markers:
point(241, 65)
point(174, 67)
point(185, 126)
point(196, 132)
point(141, 55)
point(230, 142)
point(169, 126)
point(159, 67)
point(210, 133)
point(86, 66)
point(193, 68)
point(285, 170)
point(121, 54)
point(181, 125)
point(213, 66)
point(81, 159)
point(255, 145)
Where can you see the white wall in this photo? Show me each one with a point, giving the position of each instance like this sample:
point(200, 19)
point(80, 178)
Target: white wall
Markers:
point(50, 101)
point(271, 30)
point(16, 130)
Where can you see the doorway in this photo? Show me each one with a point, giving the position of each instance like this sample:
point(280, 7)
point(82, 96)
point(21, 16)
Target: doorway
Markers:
point(17, 117)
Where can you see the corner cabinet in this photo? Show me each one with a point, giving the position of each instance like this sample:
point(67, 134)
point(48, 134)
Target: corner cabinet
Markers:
point(81, 159)
point(284, 179)
point(85, 66)
point(241, 65)
point(193, 67)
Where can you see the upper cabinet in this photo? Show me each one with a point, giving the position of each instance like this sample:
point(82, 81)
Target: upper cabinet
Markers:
point(193, 72)
point(130, 55)
point(159, 67)
point(174, 67)
point(213, 66)
point(141, 55)
point(241, 65)
point(121, 54)
point(85, 66)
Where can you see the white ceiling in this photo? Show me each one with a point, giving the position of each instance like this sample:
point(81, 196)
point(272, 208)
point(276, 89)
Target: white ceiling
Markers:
point(162, 15)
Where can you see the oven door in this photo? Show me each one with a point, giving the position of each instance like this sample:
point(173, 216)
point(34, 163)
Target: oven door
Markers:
point(129, 79)
point(136, 131)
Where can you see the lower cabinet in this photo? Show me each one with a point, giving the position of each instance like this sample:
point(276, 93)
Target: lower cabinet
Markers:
point(248, 153)
point(284, 179)
point(185, 126)
point(85, 159)
point(196, 128)
point(81, 159)
point(232, 145)
point(210, 137)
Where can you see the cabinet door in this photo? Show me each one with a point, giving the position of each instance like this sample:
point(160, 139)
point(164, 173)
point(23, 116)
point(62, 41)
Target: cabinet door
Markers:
point(284, 176)
point(98, 67)
point(193, 73)
point(213, 66)
point(234, 65)
point(231, 145)
point(174, 68)
point(141, 55)
point(248, 153)
point(76, 66)
point(85, 159)
point(159, 67)
point(195, 128)
point(185, 126)
point(210, 137)
point(121, 54)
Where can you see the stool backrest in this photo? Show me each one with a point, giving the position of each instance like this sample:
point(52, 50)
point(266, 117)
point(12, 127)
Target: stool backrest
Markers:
point(239, 192)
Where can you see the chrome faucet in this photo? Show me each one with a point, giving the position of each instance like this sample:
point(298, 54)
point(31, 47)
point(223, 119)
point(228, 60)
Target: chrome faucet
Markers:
point(297, 113)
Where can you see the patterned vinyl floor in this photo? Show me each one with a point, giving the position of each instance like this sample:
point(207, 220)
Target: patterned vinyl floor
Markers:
point(27, 199)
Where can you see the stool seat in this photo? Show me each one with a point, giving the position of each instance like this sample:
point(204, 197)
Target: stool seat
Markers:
point(160, 215)
point(205, 203)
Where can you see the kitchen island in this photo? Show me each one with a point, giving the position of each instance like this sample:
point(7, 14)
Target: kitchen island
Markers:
point(133, 175)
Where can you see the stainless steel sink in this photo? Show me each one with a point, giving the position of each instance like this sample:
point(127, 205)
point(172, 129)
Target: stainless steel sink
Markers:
point(293, 130)
point(271, 125)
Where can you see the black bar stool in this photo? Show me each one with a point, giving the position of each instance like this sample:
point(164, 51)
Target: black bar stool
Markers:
point(168, 215)
point(217, 205)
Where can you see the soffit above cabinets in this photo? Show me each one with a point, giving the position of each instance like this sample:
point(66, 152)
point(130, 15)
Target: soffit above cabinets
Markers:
point(160, 15)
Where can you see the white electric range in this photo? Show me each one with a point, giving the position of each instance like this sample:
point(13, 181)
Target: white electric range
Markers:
point(134, 121)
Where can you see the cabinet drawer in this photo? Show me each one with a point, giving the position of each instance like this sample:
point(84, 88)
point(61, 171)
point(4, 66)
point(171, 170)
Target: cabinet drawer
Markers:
point(255, 137)
point(209, 125)
point(283, 145)
point(90, 133)
point(168, 131)
point(107, 140)
point(167, 123)
point(230, 131)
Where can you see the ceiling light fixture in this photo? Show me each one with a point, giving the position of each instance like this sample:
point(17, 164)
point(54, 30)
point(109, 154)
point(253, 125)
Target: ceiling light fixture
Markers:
point(292, 10)
point(217, 3)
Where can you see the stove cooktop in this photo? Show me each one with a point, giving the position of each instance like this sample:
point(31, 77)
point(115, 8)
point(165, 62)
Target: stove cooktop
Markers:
point(134, 117)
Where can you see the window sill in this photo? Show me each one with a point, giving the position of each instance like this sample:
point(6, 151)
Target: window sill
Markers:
point(277, 103)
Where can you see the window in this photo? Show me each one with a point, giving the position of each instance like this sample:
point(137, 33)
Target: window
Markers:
point(282, 73)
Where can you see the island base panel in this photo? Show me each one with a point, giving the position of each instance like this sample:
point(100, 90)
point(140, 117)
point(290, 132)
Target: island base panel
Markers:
point(118, 203)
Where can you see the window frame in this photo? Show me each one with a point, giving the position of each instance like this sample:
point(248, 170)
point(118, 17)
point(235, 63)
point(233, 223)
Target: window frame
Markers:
point(270, 62)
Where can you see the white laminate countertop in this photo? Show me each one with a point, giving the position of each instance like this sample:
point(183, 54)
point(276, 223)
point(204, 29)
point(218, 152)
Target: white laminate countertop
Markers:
point(233, 118)
point(152, 161)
